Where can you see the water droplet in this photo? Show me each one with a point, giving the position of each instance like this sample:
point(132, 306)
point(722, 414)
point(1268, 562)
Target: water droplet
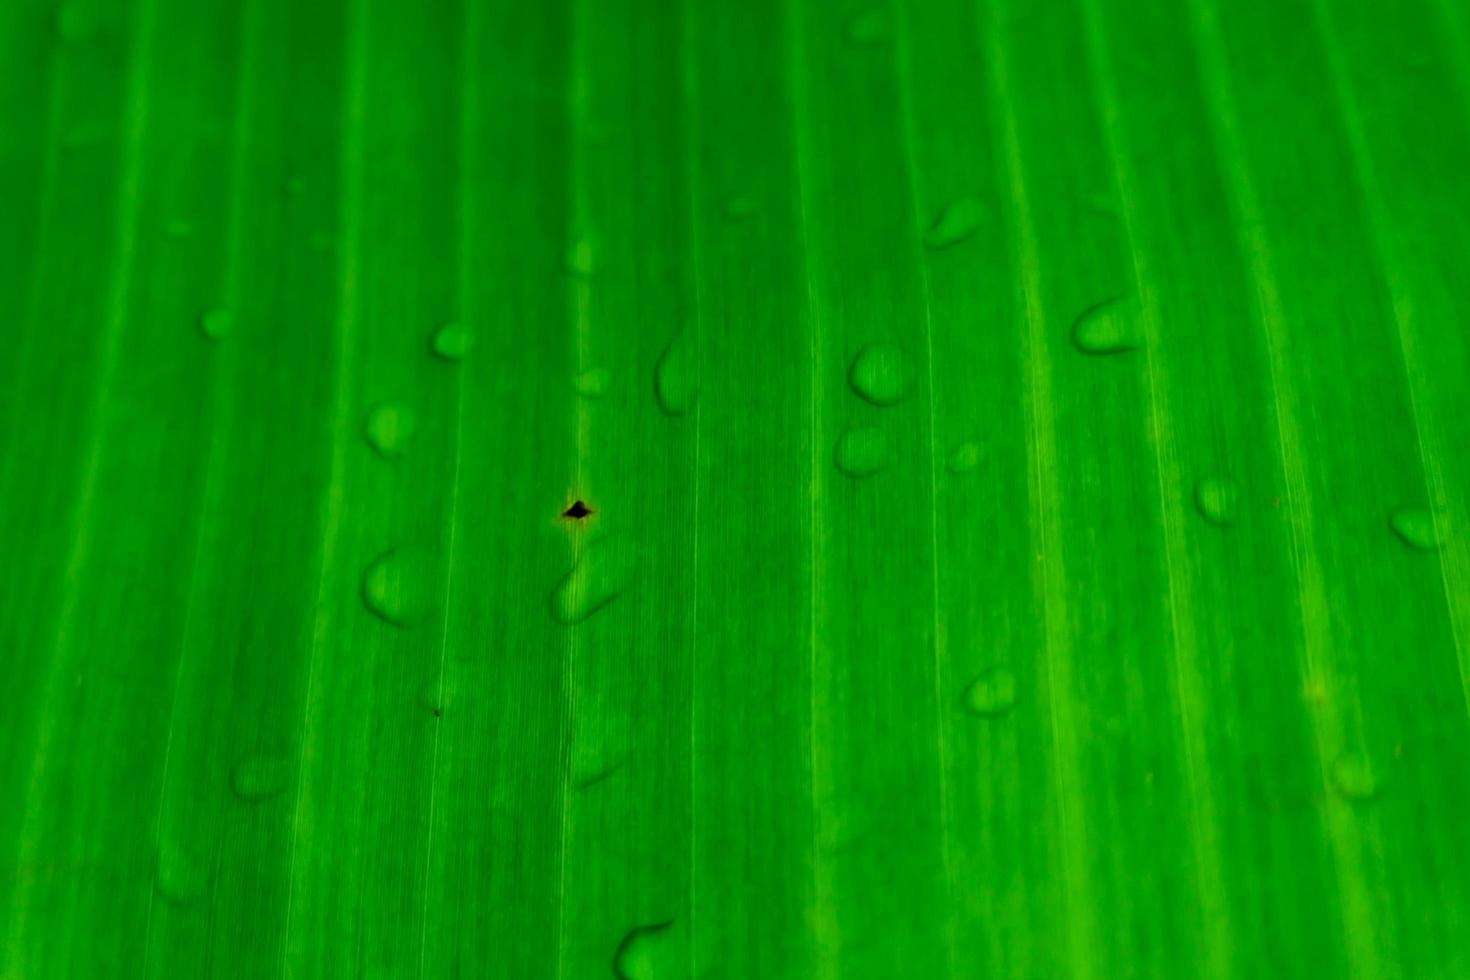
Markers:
point(676, 378)
point(1218, 500)
point(646, 952)
point(397, 586)
point(179, 228)
point(259, 777)
point(881, 374)
point(600, 575)
point(74, 21)
point(1352, 777)
point(1414, 527)
point(992, 693)
point(180, 875)
point(740, 207)
point(453, 341)
point(217, 324)
point(868, 28)
point(389, 428)
point(1108, 327)
point(581, 259)
point(960, 220)
point(964, 458)
point(322, 241)
point(862, 452)
point(85, 137)
point(295, 187)
point(592, 383)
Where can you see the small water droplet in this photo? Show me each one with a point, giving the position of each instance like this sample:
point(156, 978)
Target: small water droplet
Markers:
point(217, 324)
point(960, 220)
point(592, 383)
point(389, 429)
point(1217, 499)
point(1108, 327)
point(646, 952)
point(600, 575)
point(581, 259)
point(740, 207)
point(453, 341)
point(868, 28)
point(295, 186)
point(861, 452)
point(180, 875)
point(397, 586)
point(881, 374)
point(1352, 777)
point(964, 458)
point(259, 777)
point(322, 241)
point(676, 377)
point(1414, 527)
point(992, 693)
point(179, 228)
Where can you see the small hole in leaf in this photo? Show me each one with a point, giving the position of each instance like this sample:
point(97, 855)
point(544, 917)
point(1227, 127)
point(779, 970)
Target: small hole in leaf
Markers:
point(577, 511)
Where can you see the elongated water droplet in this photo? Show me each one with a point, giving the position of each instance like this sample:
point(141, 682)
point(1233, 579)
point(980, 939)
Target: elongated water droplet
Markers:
point(861, 452)
point(217, 324)
point(86, 137)
point(453, 341)
point(1217, 499)
point(964, 458)
point(868, 28)
point(676, 377)
point(1352, 777)
point(581, 259)
point(960, 220)
point(259, 777)
point(592, 383)
point(1109, 327)
point(992, 693)
point(389, 428)
point(181, 875)
point(397, 586)
point(600, 575)
point(179, 228)
point(646, 953)
point(740, 207)
point(881, 374)
point(1414, 527)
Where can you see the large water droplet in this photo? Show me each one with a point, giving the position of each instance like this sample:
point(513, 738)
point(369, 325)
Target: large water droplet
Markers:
point(861, 452)
point(740, 207)
point(646, 953)
point(881, 374)
point(600, 575)
point(676, 377)
point(964, 458)
point(1414, 527)
point(1109, 327)
point(960, 220)
point(581, 259)
point(259, 777)
point(389, 428)
point(592, 383)
point(1352, 777)
point(398, 586)
point(453, 341)
point(180, 875)
point(868, 28)
point(992, 693)
point(217, 324)
point(1218, 500)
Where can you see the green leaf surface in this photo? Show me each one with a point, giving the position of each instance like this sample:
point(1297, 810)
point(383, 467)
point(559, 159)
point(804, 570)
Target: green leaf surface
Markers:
point(697, 488)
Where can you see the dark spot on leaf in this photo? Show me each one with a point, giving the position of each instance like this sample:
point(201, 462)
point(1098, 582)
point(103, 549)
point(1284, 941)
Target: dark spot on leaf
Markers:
point(577, 511)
